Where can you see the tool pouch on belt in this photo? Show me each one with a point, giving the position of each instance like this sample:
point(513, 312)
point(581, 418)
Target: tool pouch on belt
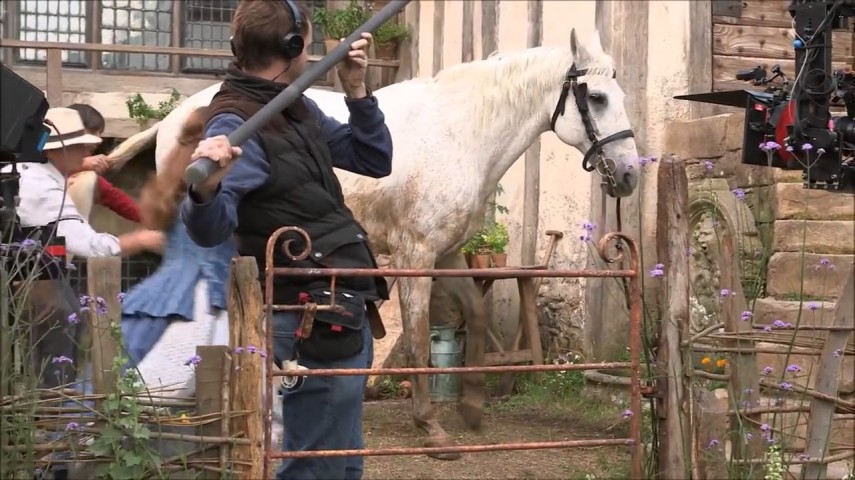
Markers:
point(334, 335)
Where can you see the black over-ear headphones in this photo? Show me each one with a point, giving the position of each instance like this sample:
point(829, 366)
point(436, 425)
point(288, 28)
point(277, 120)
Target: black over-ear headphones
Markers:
point(291, 45)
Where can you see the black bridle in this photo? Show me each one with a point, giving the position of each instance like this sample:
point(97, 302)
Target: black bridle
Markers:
point(580, 93)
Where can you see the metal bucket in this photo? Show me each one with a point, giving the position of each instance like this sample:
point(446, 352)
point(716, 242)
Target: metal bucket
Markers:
point(446, 350)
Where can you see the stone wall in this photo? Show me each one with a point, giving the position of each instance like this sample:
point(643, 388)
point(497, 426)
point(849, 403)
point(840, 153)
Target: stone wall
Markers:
point(797, 231)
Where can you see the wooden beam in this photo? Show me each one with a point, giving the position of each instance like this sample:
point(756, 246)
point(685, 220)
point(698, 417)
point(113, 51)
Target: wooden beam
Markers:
point(409, 50)
point(54, 78)
point(155, 50)
point(771, 42)
point(531, 184)
point(438, 24)
point(489, 27)
point(468, 46)
point(700, 55)
point(672, 245)
point(623, 28)
point(828, 376)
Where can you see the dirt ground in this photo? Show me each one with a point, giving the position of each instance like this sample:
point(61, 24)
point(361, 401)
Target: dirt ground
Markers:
point(388, 424)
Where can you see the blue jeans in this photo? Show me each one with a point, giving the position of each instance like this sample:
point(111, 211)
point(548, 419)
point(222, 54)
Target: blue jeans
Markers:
point(325, 414)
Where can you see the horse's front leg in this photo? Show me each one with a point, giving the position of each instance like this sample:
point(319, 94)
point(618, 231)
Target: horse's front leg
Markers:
point(414, 295)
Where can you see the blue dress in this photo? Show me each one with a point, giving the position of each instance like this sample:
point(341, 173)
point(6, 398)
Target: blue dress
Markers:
point(168, 295)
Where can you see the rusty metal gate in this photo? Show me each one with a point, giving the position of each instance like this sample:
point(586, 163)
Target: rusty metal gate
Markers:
point(622, 245)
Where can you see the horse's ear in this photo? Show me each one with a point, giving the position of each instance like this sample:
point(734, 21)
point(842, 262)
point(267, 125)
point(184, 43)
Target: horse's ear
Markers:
point(579, 51)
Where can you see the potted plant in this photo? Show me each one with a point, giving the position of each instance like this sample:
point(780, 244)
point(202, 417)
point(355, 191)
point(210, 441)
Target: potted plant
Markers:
point(477, 250)
point(147, 115)
point(497, 238)
point(340, 23)
point(387, 38)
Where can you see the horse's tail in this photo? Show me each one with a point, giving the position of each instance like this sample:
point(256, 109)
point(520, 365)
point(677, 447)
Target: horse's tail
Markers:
point(134, 145)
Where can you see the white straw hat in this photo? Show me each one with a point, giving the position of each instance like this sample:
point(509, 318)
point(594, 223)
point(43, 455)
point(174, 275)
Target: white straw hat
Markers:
point(67, 129)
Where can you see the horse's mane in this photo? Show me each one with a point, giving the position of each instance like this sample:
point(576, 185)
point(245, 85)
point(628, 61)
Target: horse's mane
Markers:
point(509, 81)
point(163, 192)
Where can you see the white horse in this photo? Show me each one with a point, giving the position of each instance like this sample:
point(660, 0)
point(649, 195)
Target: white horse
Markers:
point(455, 136)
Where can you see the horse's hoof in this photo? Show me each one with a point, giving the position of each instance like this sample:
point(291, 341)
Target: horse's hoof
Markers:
point(442, 443)
point(471, 415)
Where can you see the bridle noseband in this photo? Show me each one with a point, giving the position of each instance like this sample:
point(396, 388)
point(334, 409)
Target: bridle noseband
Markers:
point(580, 93)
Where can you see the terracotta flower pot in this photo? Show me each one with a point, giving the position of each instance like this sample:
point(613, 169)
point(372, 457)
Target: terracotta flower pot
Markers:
point(385, 52)
point(499, 259)
point(330, 44)
point(480, 261)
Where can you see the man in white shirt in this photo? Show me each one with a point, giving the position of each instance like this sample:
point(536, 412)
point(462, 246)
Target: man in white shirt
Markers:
point(44, 198)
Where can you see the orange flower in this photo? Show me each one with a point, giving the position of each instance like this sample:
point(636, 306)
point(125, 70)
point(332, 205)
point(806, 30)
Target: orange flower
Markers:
point(720, 363)
point(705, 361)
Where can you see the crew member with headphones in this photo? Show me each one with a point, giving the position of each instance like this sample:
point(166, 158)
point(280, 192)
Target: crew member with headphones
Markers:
point(284, 176)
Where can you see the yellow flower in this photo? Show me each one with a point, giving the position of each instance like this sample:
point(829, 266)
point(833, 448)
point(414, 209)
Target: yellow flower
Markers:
point(705, 361)
point(720, 363)
point(183, 418)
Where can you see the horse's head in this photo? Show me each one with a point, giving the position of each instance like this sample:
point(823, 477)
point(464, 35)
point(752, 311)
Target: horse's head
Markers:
point(589, 114)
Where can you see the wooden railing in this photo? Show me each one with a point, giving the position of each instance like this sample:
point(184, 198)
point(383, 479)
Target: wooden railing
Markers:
point(54, 58)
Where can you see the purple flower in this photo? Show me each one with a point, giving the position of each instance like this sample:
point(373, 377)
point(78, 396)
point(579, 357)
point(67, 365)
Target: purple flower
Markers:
point(813, 306)
point(781, 324)
point(824, 263)
point(62, 359)
point(767, 328)
point(709, 166)
point(194, 360)
point(72, 426)
point(790, 148)
point(262, 354)
point(766, 371)
point(238, 349)
point(748, 437)
point(794, 368)
point(803, 456)
point(73, 319)
point(807, 147)
point(769, 146)
point(589, 227)
point(658, 270)
point(724, 292)
point(643, 161)
point(713, 443)
point(250, 348)
point(70, 267)
point(746, 315)
point(691, 251)
point(585, 238)
point(626, 413)
point(237, 367)
point(84, 300)
point(838, 353)
point(786, 386)
point(121, 297)
point(820, 151)
point(29, 243)
point(739, 193)
point(765, 427)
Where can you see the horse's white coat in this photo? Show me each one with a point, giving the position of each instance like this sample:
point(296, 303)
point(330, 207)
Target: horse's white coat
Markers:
point(455, 136)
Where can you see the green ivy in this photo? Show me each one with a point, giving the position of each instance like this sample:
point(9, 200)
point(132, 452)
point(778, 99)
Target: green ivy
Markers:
point(140, 110)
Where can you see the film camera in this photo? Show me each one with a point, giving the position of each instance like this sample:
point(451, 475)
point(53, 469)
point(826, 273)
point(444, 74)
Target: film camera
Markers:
point(33, 251)
point(789, 125)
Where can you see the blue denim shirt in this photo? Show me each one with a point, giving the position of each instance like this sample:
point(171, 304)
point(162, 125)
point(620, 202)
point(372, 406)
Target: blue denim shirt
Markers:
point(170, 290)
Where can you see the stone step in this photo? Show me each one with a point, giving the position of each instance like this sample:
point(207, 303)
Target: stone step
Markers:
point(818, 313)
point(785, 274)
point(793, 202)
point(826, 236)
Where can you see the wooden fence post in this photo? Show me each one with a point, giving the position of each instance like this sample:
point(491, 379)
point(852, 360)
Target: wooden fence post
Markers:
point(822, 410)
point(53, 85)
point(210, 375)
point(672, 386)
point(104, 280)
point(246, 321)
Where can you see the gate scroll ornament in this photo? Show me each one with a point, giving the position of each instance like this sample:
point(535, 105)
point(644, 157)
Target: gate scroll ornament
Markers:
point(612, 248)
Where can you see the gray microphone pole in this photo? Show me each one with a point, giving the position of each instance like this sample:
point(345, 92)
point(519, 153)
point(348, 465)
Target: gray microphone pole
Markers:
point(203, 168)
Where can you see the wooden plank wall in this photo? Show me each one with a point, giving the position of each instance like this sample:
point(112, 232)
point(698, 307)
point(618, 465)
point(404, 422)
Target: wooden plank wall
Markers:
point(760, 32)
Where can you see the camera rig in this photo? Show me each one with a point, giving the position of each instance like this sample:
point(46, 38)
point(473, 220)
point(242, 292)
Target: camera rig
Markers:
point(790, 125)
point(25, 252)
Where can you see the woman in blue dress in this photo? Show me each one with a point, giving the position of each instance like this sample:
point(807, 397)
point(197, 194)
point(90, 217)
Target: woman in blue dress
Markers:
point(183, 304)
